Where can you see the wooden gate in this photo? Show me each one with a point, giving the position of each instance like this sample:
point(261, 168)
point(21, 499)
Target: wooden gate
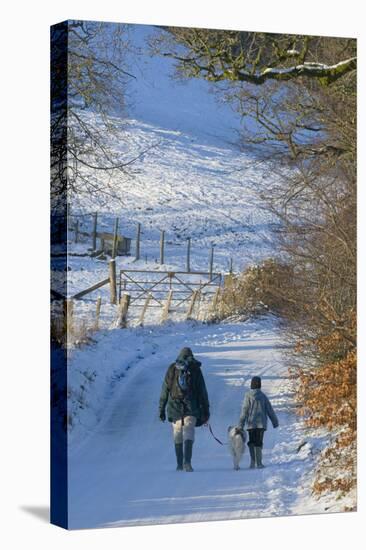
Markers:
point(140, 284)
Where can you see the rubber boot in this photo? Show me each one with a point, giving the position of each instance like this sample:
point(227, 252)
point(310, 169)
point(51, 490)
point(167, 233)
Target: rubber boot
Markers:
point(252, 457)
point(188, 444)
point(179, 455)
point(258, 457)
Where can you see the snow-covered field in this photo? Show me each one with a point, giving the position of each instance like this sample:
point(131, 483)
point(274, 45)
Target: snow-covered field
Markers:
point(122, 469)
point(188, 187)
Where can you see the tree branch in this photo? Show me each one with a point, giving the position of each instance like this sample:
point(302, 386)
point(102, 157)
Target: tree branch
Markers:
point(327, 73)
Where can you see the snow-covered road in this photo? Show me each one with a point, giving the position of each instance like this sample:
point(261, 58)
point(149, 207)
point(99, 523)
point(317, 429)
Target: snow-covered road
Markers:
point(123, 472)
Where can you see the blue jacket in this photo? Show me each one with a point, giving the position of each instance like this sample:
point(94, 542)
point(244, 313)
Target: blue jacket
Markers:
point(255, 410)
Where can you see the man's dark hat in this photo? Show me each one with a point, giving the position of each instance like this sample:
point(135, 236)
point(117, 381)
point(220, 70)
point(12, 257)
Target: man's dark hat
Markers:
point(185, 354)
point(256, 383)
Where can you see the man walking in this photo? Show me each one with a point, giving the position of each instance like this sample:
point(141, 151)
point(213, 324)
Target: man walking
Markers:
point(184, 395)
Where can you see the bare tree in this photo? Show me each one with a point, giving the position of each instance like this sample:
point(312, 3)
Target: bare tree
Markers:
point(89, 80)
point(296, 96)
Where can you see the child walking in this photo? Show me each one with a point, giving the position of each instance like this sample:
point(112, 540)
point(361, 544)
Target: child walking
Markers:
point(255, 410)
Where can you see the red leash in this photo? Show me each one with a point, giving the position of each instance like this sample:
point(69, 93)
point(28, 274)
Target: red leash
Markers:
point(213, 435)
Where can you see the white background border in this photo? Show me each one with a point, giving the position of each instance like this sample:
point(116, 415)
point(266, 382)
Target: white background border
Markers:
point(24, 359)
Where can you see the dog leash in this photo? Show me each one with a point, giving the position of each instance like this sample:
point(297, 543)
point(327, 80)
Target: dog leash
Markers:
point(213, 435)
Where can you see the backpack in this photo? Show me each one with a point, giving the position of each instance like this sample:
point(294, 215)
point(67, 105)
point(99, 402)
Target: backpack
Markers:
point(184, 380)
point(180, 384)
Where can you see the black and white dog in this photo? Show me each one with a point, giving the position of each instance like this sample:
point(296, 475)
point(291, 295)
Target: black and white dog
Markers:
point(236, 442)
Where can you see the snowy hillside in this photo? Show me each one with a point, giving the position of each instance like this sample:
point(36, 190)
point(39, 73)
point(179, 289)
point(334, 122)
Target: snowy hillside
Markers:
point(189, 189)
point(186, 187)
point(193, 180)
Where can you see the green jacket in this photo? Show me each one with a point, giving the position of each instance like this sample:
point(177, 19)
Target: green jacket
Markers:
point(195, 403)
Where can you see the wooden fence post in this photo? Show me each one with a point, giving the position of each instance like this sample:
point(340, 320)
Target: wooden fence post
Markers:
point(146, 305)
point(94, 230)
point(188, 254)
point(97, 314)
point(231, 265)
point(211, 262)
point(63, 318)
point(138, 237)
point(200, 306)
point(166, 307)
point(115, 237)
point(123, 310)
point(213, 307)
point(120, 287)
point(162, 244)
point(191, 305)
point(69, 316)
point(76, 231)
point(113, 281)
